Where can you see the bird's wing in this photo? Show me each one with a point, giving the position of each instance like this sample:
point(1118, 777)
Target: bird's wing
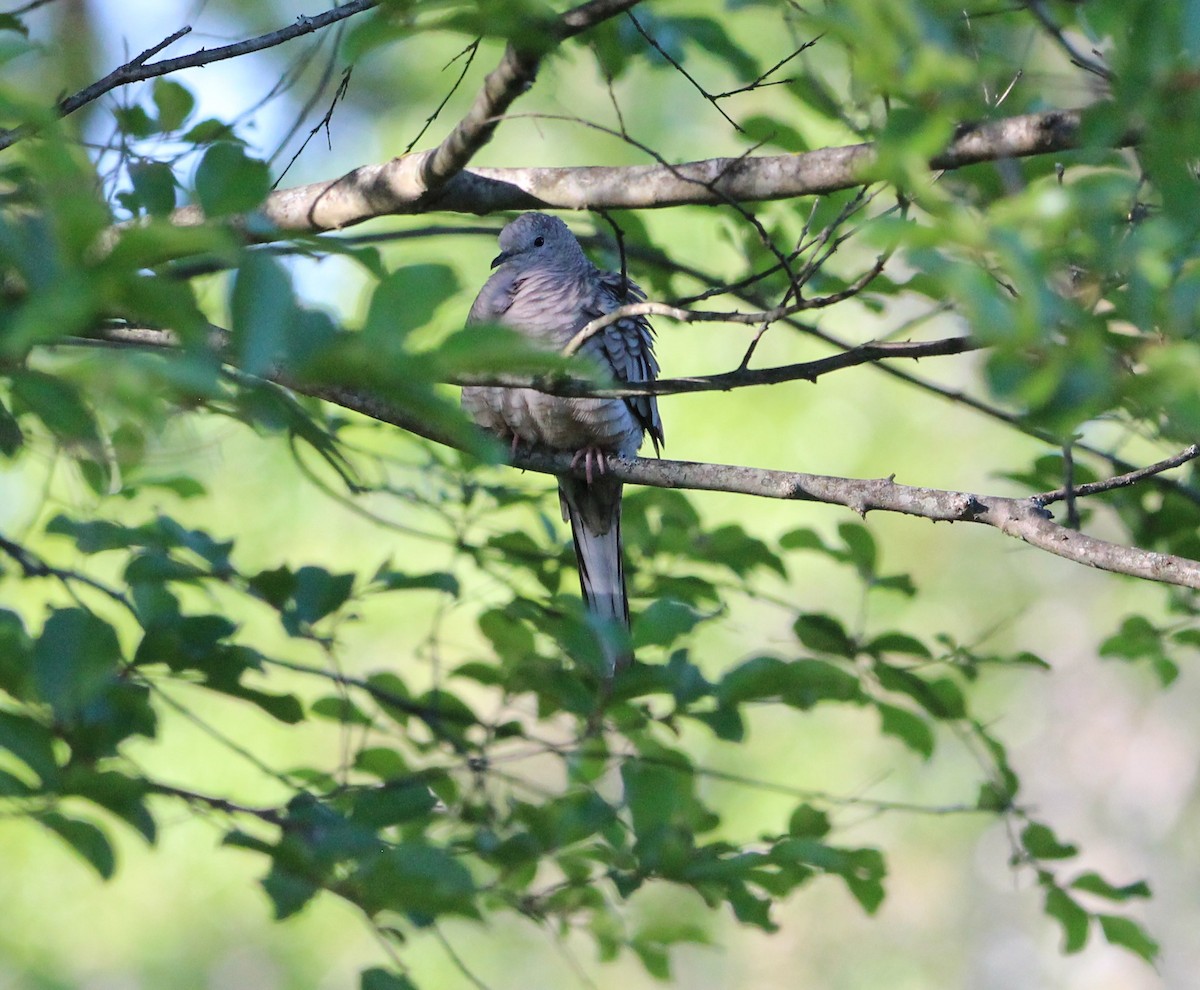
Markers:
point(627, 346)
point(494, 298)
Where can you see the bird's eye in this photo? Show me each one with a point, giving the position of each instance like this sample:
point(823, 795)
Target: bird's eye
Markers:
point(539, 241)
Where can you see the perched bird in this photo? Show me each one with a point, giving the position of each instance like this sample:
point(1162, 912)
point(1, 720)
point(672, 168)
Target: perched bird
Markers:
point(545, 287)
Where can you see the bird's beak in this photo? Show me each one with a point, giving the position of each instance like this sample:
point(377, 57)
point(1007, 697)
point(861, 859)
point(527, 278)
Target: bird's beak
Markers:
point(500, 259)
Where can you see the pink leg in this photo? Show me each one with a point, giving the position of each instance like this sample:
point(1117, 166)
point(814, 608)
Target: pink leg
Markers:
point(593, 458)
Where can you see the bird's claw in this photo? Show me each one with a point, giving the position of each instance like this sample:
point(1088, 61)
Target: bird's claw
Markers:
point(593, 459)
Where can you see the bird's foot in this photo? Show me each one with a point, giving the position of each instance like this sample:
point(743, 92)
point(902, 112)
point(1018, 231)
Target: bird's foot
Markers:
point(594, 459)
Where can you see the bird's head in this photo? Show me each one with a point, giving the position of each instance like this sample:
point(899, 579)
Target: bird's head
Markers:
point(538, 240)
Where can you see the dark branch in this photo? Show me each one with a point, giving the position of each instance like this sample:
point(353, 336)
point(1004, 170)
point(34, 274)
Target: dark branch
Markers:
point(1121, 480)
point(139, 69)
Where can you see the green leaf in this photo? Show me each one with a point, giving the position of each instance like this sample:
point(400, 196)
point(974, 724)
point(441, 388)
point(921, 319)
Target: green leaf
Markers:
point(1137, 638)
point(31, 743)
point(386, 764)
point(115, 792)
point(1073, 919)
point(384, 979)
point(910, 729)
point(229, 181)
point(1041, 843)
point(75, 657)
point(318, 593)
point(414, 878)
point(391, 804)
point(287, 891)
point(16, 657)
point(808, 822)
point(262, 312)
point(1093, 883)
point(1128, 934)
point(57, 403)
point(407, 299)
point(663, 622)
point(824, 634)
point(897, 642)
point(85, 838)
point(174, 102)
point(11, 437)
point(340, 709)
point(860, 547)
point(134, 121)
point(153, 186)
point(653, 793)
point(434, 581)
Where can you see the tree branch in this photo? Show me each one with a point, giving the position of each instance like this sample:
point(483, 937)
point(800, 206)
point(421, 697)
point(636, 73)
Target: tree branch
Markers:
point(1024, 519)
point(138, 69)
point(512, 77)
point(398, 186)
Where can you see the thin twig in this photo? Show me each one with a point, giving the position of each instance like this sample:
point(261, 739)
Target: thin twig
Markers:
point(683, 72)
point(139, 69)
point(1121, 480)
point(1055, 32)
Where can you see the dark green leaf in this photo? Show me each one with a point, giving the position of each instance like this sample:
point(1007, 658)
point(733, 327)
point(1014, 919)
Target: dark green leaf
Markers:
point(384, 979)
point(56, 403)
point(418, 879)
point(75, 657)
point(288, 892)
point(31, 743)
point(174, 102)
point(1093, 883)
point(391, 804)
point(262, 311)
point(407, 299)
point(16, 657)
point(154, 186)
point(11, 436)
point(1128, 934)
point(340, 709)
point(85, 838)
point(824, 634)
point(229, 181)
point(1041, 843)
point(808, 822)
point(664, 622)
point(1073, 919)
point(435, 581)
point(910, 729)
point(897, 642)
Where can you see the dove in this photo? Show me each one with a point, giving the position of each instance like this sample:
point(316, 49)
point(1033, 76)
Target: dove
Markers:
point(544, 286)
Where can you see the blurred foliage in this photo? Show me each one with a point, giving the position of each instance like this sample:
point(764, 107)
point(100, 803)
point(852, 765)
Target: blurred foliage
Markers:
point(1081, 275)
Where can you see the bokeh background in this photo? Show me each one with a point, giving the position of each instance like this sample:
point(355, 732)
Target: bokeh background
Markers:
point(1106, 755)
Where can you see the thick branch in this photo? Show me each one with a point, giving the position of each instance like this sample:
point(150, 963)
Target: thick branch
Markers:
point(512, 77)
point(1020, 518)
point(1024, 519)
point(397, 186)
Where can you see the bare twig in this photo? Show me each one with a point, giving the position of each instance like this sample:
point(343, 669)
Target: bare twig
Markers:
point(762, 79)
point(684, 72)
point(468, 56)
point(1121, 480)
point(711, 316)
point(1056, 34)
point(139, 68)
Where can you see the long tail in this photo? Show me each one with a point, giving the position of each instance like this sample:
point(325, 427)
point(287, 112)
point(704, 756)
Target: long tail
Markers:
point(594, 511)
